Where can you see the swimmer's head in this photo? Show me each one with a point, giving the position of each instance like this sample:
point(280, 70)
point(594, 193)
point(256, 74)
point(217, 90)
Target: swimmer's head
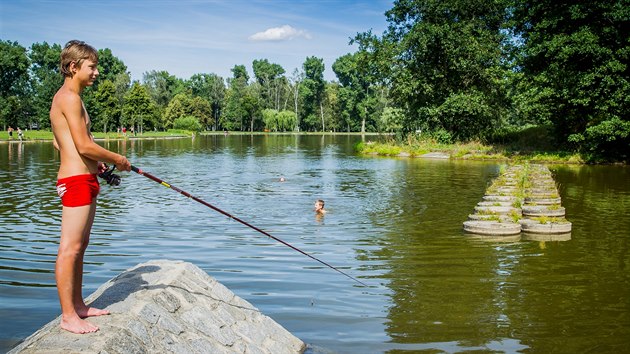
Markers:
point(319, 205)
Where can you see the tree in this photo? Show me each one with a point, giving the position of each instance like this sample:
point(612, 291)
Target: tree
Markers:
point(201, 109)
point(139, 109)
point(185, 105)
point(14, 65)
point(312, 91)
point(392, 120)
point(187, 123)
point(107, 108)
point(278, 121)
point(251, 104)
point(333, 107)
point(438, 54)
point(270, 119)
point(45, 79)
point(122, 83)
point(294, 85)
point(356, 79)
point(175, 109)
point(109, 67)
point(286, 120)
point(210, 87)
point(234, 115)
point(269, 77)
point(574, 60)
point(162, 86)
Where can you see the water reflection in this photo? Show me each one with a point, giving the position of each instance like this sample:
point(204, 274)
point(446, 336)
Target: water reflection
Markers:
point(393, 223)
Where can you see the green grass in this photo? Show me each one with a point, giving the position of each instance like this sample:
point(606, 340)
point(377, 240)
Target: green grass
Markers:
point(474, 150)
point(514, 216)
point(43, 135)
point(549, 219)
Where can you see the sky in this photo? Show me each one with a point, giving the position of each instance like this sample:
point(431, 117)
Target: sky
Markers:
point(186, 37)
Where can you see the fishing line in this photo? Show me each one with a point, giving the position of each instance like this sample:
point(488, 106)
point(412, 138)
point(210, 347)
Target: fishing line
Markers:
point(186, 194)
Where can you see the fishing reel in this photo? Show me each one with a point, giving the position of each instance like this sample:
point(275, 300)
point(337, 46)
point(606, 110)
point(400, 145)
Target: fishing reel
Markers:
point(109, 176)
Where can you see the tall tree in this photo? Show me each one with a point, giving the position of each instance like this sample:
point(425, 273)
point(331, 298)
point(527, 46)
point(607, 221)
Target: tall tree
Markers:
point(139, 109)
point(162, 86)
point(575, 61)
point(210, 87)
point(14, 65)
point(235, 113)
point(312, 90)
point(356, 78)
point(109, 67)
point(45, 79)
point(294, 84)
point(107, 108)
point(333, 107)
point(445, 63)
point(112, 69)
point(251, 103)
point(269, 76)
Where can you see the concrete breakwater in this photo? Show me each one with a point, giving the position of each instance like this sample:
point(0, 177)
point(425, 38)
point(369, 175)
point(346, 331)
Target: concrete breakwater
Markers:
point(522, 203)
point(168, 306)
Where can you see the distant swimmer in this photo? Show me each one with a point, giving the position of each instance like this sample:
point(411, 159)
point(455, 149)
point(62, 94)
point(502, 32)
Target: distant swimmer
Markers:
point(319, 207)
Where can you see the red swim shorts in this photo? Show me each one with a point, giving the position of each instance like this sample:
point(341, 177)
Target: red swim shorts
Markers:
point(79, 190)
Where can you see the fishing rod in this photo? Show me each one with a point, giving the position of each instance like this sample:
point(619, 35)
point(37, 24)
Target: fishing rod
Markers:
point(184, 193)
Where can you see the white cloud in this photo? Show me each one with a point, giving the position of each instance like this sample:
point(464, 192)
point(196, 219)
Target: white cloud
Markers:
point(279, 34)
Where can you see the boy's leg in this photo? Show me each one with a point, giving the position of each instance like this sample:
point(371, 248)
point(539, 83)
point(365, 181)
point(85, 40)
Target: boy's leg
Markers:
point(79, 305)
point(74, 223)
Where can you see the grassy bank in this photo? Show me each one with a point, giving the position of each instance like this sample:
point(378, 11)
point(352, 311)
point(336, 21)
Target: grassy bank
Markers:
point(43, 135)
point(466, 151)
point(374, 144)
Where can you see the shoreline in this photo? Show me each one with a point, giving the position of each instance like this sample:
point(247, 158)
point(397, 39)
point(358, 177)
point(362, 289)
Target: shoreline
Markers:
point(462, 152)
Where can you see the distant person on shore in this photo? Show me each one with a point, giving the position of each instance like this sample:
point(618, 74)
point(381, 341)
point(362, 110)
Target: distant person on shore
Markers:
point(77, 184)
point(10, 130)
point(319, 207)
point(20, 134)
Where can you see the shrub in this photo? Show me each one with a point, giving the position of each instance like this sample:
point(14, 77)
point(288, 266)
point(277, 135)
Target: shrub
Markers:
point(187, 123)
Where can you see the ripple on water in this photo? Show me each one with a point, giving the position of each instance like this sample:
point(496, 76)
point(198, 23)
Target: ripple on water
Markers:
point(392, 223)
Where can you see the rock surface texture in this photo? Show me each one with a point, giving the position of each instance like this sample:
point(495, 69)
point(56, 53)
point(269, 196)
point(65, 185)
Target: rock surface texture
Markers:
point(168, 307)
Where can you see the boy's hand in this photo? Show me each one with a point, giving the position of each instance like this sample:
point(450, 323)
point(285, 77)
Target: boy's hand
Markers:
point(102, 167)
point(123, 164)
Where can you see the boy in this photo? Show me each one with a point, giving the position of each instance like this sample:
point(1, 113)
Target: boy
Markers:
point(319, 207)
point(77, 184)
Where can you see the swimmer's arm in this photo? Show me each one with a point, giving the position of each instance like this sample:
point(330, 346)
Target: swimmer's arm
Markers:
point(55, 143)
point(72, 109)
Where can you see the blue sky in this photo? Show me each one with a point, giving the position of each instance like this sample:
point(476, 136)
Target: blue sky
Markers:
point(185, 37)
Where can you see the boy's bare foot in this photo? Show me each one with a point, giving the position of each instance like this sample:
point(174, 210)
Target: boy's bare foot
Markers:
point(77, 325)
point(85, 311)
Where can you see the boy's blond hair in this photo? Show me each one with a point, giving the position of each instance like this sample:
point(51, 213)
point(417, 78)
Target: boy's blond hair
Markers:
point(76, 51)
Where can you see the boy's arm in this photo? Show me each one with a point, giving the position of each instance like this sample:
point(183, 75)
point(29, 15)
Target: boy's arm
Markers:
point(73, 111)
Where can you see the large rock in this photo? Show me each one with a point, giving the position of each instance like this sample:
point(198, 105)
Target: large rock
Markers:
point(168, 307)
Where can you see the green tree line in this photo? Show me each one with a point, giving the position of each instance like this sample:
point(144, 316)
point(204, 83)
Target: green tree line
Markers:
point(452, 70)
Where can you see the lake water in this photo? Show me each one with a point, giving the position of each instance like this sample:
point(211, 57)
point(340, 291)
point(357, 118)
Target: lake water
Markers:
point(395, 224)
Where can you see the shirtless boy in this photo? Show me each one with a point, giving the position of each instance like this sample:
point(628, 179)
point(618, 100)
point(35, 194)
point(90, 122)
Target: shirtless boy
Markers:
point(77, 185)
point(319, 207)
